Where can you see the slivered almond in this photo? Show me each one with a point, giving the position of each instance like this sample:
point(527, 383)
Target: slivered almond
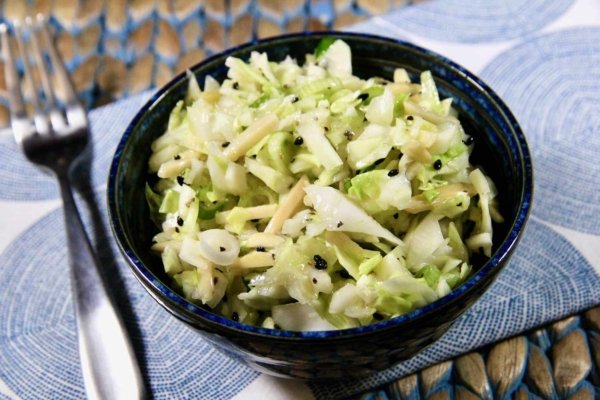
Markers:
point(264, 239)
point(173, 168)
point(254, 259)
point(250, 136)
point(288, 206)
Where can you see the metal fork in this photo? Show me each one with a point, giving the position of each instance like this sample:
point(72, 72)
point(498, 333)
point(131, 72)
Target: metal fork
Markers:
point(54, 137)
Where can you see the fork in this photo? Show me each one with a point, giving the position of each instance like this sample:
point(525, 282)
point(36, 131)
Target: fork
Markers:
point(54, 137)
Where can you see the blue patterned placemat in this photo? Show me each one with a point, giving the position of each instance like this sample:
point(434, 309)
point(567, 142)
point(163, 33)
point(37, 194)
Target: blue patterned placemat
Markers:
point(37, 326)
point(478, 21)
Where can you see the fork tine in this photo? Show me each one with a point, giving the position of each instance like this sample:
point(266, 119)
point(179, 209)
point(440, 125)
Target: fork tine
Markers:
point(21, 124)
point(17, 105)
point(56, 116)
point(74, 110)
point(57, 64)
point(39, 117)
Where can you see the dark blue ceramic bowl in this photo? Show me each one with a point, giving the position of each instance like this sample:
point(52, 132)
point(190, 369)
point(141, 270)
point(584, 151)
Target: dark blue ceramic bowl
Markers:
point(499, 146)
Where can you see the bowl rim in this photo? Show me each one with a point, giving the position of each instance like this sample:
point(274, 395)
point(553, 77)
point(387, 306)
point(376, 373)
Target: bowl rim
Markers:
point(160, 291)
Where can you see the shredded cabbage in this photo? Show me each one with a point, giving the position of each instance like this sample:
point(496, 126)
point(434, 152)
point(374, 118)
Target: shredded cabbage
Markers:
point(302, 197)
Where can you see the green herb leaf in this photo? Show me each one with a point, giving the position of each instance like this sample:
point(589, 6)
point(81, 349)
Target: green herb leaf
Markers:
point(323, 46)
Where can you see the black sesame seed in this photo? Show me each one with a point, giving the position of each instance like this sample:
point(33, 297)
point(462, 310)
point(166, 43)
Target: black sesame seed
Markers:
point(437, 164)
point(179, 221)
point(326, 129)
point(364, 119)
point(396, 215)
point(349, 134)
point(235, 85)
point(272, 256)
point(180, 180)
point(298, 141)
point(222, 249)
point(177, 229)
point(314, 280)
point(459, 204)
point(410, 117)
point(177, 157)
point(225, 144)
point(320, 263)
point(378, 316)
point(344, 274)
point(214, 202)
point(215, 280)
point(393, 172)
point(469, 141)
point(261, 249)
point(294, 99)
point(235, 316)
point(255, 220)
point(339, 224)
point(363, 96)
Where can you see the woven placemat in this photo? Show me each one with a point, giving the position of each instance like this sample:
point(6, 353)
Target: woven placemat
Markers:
point(116, 48)
point(560, 360)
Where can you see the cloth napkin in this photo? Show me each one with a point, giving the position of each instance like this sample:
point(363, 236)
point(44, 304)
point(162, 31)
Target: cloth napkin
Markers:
point(541, 57)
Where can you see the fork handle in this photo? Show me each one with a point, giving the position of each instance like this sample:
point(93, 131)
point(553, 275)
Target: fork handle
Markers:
point(108, 363)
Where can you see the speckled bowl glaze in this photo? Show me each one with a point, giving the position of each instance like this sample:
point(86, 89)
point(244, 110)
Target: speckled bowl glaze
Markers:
point(500, 148)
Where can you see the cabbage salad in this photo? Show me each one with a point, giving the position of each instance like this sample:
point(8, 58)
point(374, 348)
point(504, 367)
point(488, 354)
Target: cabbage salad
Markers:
point(303, 197)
